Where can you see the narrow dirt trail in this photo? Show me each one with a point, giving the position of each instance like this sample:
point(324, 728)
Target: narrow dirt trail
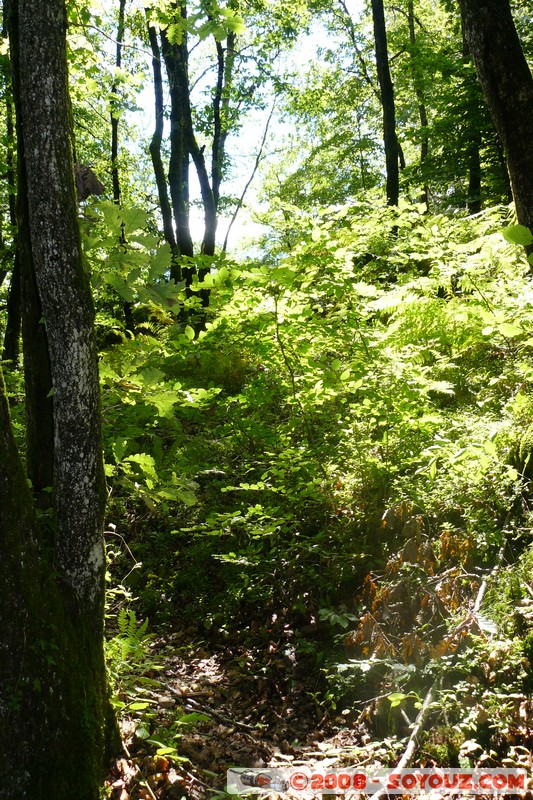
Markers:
point(223, 708)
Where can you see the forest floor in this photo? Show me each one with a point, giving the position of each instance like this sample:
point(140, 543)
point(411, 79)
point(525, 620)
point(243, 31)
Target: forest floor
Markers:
point(221, 706)
point(225, 707)
point(199, 706)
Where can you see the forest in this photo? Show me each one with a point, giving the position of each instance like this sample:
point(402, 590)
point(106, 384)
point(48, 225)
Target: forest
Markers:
point(266, 395)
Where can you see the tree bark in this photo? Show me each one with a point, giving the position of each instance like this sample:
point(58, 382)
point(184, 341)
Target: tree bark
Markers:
point(418, 85)
point(176, 62)
point(390, 139)
point(473, 94)
point(507, 84)
point(55, 721)
point(115, 175)
point(156, 142)
point(11, 352)
point(114, 105)
point(37, 371)
point(183, 144)
point(225, 65)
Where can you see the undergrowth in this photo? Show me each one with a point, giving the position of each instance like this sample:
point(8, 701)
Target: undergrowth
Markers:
point(348, 431)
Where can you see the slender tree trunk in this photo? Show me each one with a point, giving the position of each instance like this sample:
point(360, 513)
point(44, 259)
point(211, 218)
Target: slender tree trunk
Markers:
point(184, 147)
point(221, 98)
point(37, 372)
point(11, 350)
point(507, 84)
point(390, 139)
point(176, 61)
point(155, 147)
point(183, 144)
point(114, 105)
point(473, 197)
point(55, 721)
point(115, 175)
point(418, 84)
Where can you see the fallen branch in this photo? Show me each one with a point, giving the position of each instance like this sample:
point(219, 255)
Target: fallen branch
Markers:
point(193, 706)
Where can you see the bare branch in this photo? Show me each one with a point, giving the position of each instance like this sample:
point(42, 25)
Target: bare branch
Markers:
point(258, 159)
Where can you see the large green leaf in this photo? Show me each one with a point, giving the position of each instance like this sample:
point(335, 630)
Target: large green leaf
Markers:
point(518, 234)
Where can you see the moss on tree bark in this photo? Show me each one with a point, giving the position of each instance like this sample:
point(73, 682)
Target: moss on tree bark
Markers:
point(56, 725)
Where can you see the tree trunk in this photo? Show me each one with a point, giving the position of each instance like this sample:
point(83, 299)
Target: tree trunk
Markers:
point(115, 175)
point(176, 57)
point(11, 352)
point(390, 140)
point(507, 84)
point(473, 95)
point(473, 196)
point(37, 374)
point(114, 105)
point(418, 84)
point(155, 146)
point(55, 721)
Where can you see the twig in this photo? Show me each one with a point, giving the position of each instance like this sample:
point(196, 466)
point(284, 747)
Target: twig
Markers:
point(147, 786)
point(258, 160)
point(203, 783)
point(115, 41)
point(528, 588)
point(195, 706)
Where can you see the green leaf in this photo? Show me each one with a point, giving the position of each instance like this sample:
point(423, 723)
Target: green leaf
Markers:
point(509, 330)
point(187, 497)
point(161, 262)
point(111, 215)
point(194, 716)
point(518, 234)
point(490, 448)
point(145, 462)
point(121, 287)
point(189, 332)
point(119, 448)
point(396, 698)
point(134, 218)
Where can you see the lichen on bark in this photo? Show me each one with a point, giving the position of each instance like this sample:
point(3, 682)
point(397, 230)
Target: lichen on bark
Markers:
point(56, 725)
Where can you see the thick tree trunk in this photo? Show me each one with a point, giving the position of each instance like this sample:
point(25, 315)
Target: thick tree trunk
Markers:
point(507, 84)
point(390, 140)
point(65, 297)
point(53, 701)
point(55, 720)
